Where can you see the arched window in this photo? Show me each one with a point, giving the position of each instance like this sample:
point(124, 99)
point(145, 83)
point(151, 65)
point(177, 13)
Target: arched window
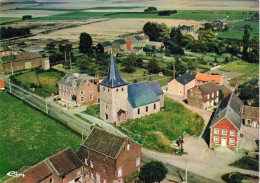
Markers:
point(146, 108)
point(154, 106)
point(138, 111)
point(106, 106)
point(116, 90)
point(122, 88)
point(108, 89)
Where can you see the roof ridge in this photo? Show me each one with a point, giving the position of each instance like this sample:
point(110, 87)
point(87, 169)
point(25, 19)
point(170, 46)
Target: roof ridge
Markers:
point(50, 166)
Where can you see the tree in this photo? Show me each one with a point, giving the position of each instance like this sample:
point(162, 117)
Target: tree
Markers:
point(226, 60)
point(153, 171)
point(176, 35)
point(85, 43)
point(180, 68)
point(150, 9)
point(206, 36)
point(245, 41)
point(50, 47)
point(253, 55)
point(130, 63)
point(153, 66)
point(208, 26)
point(156, 32)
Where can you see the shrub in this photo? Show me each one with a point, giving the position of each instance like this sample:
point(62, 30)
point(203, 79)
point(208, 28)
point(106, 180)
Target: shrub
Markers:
point(27, 17)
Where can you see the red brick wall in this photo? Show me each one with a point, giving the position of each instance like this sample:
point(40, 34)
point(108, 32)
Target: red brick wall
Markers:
point(224, 124)
point(5, 53)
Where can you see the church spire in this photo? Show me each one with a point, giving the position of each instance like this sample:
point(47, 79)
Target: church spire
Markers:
point(113, 78)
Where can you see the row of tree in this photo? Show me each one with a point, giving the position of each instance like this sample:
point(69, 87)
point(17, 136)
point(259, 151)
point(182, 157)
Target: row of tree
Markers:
point(9, 32)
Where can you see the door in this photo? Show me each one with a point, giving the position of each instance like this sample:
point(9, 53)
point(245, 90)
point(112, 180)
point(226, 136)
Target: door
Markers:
point(224, 141)
point(255, 124)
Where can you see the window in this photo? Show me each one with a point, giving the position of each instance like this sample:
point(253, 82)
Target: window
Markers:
point(212, 94)
point(180, 91)
point(105, 181)
point(91, 164)
point(217, 93)
point(248, 121)
point(146, 108)
point(90, 97)
point(154, 106)
point(106, 106)
point(63, 87)
point(231, 141)
point(86, 175)
point(82, 99)
point(138, 111)
point(216, 139)
point(137, 161)
point(119, 172)
point(208, 96)
point(67, 88)
point(224, 132)
point(74, 90)
point(90, 90)
point(81, 92)
point(86, 161)
point(216, 131)
point(50, 180)
point(63, 94)
point(92, 175)
point(128, 147)
point(116, 90)
point(108, 89)
point(103, 88)
point(232, 132)
point(122, 89)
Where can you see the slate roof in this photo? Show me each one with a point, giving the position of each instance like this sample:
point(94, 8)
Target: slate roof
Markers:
point(33, 49)
point(104, 142)
point(208, 88)
point(251, 112)
point(113, 78)
point(185, 27)
point(106, 44)
point(3, 47)
point(230, 107)
point(72, 81)
point(20, 57)
point(120, 41)
point(185, 78)
point(208, 77)
point(156, 88)
point(224, 89)
point(64, 162)
point(142, 93)
point(138, 38)
point(87, 76)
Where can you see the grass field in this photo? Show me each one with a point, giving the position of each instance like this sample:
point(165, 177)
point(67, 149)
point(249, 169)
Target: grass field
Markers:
point(162, 80)
point(249, 70)
point(247, 163)
point(48, 82)
point(8, 19)
point(28, 136)
point(157, 131)
point(93, 110)
point(182, 14)
point(236, 30)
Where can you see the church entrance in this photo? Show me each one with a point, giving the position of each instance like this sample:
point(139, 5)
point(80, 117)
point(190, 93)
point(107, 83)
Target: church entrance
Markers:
point(121, 115)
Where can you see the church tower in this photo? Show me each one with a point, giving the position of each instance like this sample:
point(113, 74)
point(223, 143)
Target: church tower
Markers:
point(113, 95)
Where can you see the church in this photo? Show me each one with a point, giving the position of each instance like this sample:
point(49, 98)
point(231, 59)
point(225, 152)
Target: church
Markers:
point(120, 101)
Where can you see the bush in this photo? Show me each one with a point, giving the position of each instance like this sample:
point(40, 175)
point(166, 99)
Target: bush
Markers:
point(166, 12)
point(247, 163)
point(27, 17)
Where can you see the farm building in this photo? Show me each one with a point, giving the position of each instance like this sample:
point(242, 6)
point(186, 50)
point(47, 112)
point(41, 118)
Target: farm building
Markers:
point(24, 60)
point(129, 44)
point(104, 47)
point(204, 96)
point(121, 102)
point(225, 127)
point(181, 85)
point(204, 78)
point(119, 45)
point(109, 158)
point(5, 50)
point(78, 89)
point(251, 116)
point(138, 41)
point(2, 84)
point(65, 166)
point(32, 49)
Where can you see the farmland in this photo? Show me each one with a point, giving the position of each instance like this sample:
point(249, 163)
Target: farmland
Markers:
point(26, 135)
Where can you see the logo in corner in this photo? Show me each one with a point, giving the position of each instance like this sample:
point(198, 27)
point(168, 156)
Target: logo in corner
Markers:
point(15, 174)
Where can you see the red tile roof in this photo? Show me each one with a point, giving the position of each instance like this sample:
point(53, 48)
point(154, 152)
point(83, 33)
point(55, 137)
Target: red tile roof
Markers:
point(208, 77)
point(2, 84)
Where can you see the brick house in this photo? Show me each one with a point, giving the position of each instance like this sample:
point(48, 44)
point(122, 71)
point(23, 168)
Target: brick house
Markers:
point(225, 127)
point(204, 96)
point(251, 116)
point(63, 167)
point(119, 45)
point(5, 50)
point(104, 47)
point(109, 158)
point(2, 85)
point(204, 78)
point(181, 85)
point(121, 102)
point(79, 90)
point(24, 60)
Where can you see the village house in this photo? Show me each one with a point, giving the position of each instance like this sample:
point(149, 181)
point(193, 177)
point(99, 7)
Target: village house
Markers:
point(204, 78)
point(181, 85)
point(224, 23)
point(109, 158)
point(204, 96)
point(78, 89)
point(138, 41)
point(119, 45)
point(2, 84)
point(104, 47)
point(5, 50)
point(251, 116)
point(63, 167)
point(225, 127)
point(225, 90)
point(121, 102)
point(185, 29)
point(21, 61)
point(32, 49)
point(129, 44)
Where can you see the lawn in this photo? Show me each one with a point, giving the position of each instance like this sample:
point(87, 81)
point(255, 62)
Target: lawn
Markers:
point(182, 14)
point(8, 19)
point(93, 110)
point(162, 80)
point(46, 82)
point(28, 136)
point(247, 163)
point(249, 70)
point(158, 131)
